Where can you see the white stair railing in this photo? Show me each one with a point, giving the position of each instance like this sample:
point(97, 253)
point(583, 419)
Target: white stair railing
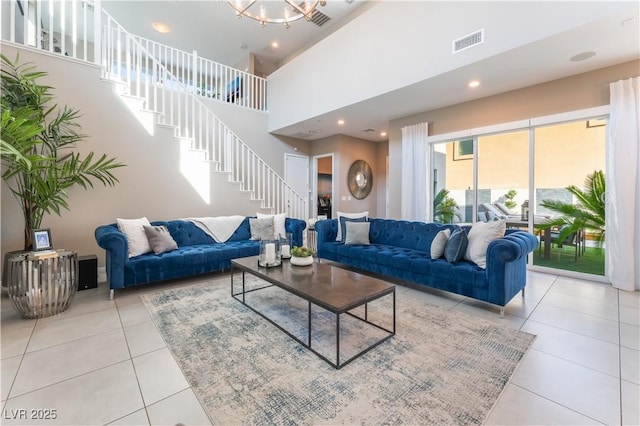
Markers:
point(127, 59)
point(210, 79)
point(72, 28)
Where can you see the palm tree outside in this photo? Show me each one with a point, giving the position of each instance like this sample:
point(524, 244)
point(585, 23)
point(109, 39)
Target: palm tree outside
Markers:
point(588, 213)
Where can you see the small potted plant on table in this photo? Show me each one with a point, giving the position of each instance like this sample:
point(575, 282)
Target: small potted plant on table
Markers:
point(301, 256)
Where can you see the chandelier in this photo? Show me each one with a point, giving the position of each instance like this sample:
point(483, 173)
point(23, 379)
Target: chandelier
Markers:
point(276, 12)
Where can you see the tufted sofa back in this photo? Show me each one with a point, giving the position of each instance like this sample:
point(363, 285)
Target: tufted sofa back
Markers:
point(401, 233)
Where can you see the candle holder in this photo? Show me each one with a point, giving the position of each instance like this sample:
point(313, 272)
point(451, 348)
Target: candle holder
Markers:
point(270, 254)
point(285, 245)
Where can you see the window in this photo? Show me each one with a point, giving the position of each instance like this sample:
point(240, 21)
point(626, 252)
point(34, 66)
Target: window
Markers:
point(528, 172)
point(463, 150)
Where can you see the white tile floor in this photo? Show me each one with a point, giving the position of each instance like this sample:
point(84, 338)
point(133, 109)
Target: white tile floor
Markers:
point(104, 362)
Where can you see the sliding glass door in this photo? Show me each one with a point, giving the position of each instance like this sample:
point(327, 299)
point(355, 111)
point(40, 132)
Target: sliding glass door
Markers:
point(488, 177)
point(503, 177)
point(452, 181)
point(569, 163)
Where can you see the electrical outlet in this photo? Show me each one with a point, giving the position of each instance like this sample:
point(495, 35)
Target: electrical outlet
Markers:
point(344, 198)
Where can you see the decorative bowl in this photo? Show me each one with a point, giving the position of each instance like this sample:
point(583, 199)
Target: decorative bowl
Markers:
point(301, 261)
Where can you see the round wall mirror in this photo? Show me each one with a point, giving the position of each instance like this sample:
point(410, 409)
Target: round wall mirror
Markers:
point(360, 179)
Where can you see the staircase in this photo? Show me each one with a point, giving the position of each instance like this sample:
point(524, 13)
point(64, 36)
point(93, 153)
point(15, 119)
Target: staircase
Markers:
point(164, 85)
point(131, 62)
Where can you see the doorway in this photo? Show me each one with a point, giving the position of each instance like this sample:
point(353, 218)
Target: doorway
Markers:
point(296, 175)
point(323, 190)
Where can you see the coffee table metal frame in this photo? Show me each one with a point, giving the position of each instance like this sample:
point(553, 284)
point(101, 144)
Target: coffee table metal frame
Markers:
point(337, 364)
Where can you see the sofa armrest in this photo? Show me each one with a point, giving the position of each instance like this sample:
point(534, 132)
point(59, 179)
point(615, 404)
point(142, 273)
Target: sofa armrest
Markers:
point(116, 247)
point(327, 231)
point(296, 227)
point(507, 265)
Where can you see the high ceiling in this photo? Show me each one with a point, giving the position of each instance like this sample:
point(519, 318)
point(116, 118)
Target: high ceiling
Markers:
point(211, 29)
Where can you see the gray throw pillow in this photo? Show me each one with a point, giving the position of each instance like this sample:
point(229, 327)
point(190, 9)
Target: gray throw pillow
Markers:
point(344, 219)
point(357, 233)
point(160, 239)
point(261, 229)
point(456, 246)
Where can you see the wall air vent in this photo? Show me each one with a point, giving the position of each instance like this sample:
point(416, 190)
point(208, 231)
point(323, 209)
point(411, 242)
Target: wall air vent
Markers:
point(468, 41)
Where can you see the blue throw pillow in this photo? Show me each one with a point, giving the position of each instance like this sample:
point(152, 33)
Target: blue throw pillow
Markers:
point(456, 245)
point(344, 220)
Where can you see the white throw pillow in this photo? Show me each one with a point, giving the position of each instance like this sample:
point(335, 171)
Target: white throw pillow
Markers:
point(133, 229)
point(439, 242)
point(278, 223)
point(480, 235)
point(350, 216)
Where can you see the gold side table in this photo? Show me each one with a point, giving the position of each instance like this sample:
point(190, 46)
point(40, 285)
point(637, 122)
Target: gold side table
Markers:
point(42, 286)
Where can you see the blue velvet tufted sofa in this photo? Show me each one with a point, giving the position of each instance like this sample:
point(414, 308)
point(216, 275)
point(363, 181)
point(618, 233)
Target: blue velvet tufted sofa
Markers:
point(401, 249)
point(197, 252)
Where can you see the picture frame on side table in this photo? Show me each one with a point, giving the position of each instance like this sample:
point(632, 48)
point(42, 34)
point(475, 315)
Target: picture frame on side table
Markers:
point(41, 239)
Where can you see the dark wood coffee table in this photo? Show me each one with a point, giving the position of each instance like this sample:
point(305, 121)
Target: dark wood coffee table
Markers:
point(332, 288)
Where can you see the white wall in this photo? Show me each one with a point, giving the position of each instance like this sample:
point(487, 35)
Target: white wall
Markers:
point(568, 94)
point(152, 184)
point(393, 45)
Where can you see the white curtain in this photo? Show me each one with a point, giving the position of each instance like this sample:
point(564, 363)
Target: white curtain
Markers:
point(623, 185)
point(415, 162)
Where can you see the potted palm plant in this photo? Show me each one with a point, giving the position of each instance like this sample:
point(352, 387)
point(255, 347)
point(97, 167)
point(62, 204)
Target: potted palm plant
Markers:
point(38, 141)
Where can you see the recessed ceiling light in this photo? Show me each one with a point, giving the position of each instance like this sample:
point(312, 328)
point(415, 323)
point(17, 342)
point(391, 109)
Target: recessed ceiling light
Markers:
point(161, 27)
point(341, 122)
point(383, 134)
point(474, 83)
point(274, 44)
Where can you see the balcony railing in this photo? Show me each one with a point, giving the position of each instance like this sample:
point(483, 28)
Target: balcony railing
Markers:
point(73, 28)
point(66, 28)
point(210, 79)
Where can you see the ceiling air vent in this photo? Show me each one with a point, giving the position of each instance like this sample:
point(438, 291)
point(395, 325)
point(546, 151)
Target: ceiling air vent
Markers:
point(468, 41)
point(319, 18)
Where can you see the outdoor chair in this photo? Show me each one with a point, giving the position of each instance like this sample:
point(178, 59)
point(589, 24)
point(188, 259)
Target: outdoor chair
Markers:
point(575, 239)
point(504, 209)
point(495, 213)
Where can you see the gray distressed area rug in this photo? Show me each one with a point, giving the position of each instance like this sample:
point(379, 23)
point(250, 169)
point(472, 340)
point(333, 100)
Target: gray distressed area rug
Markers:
point(442, 367)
